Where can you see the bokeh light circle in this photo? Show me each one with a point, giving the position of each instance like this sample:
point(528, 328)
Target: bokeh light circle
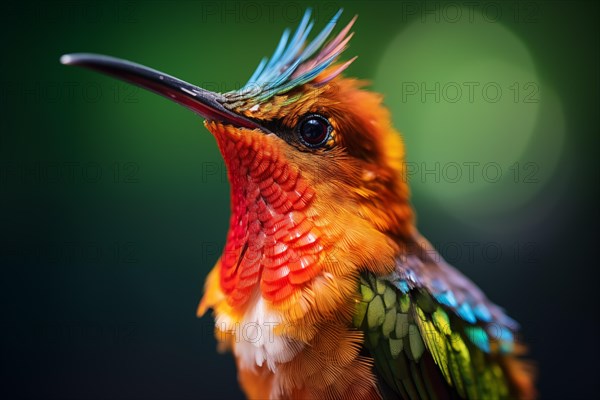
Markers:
point(482, 132)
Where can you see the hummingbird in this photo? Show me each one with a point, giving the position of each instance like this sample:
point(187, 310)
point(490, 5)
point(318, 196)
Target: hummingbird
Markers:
point(325, 288)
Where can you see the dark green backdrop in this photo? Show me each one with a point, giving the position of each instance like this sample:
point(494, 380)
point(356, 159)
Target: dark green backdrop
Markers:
point(115, 202)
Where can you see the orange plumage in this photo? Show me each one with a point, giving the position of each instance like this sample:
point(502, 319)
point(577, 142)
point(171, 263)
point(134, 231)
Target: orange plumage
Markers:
point(326, 220)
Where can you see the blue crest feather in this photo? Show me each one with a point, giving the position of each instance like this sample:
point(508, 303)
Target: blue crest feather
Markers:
point(296, 61)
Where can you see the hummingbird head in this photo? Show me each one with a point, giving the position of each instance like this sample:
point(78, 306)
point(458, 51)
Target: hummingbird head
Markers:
point(315, 167)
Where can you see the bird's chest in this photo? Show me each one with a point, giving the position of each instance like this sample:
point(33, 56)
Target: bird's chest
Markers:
point(257, 337)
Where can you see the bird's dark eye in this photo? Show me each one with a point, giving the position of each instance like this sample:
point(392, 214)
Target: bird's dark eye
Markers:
point(314, 130)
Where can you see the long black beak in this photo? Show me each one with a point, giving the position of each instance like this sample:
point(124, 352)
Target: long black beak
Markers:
point(207, 104)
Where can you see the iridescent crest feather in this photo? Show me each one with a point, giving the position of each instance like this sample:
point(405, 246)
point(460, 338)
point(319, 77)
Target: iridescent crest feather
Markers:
point(296, 61)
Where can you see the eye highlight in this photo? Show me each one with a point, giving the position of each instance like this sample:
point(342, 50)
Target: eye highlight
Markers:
point(314, 130)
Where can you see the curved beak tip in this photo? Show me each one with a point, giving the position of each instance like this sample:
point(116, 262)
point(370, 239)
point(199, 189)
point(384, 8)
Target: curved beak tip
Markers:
point(66, 59)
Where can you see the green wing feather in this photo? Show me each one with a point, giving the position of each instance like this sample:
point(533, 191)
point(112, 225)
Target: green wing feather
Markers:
point(406, 331)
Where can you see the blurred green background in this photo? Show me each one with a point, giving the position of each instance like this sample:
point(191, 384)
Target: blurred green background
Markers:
point(115, 201)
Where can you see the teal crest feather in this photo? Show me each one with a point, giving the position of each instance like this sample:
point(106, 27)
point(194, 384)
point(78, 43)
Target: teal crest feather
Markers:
point(296, 61)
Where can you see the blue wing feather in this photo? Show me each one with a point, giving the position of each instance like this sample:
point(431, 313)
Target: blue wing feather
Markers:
point(426, 270)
